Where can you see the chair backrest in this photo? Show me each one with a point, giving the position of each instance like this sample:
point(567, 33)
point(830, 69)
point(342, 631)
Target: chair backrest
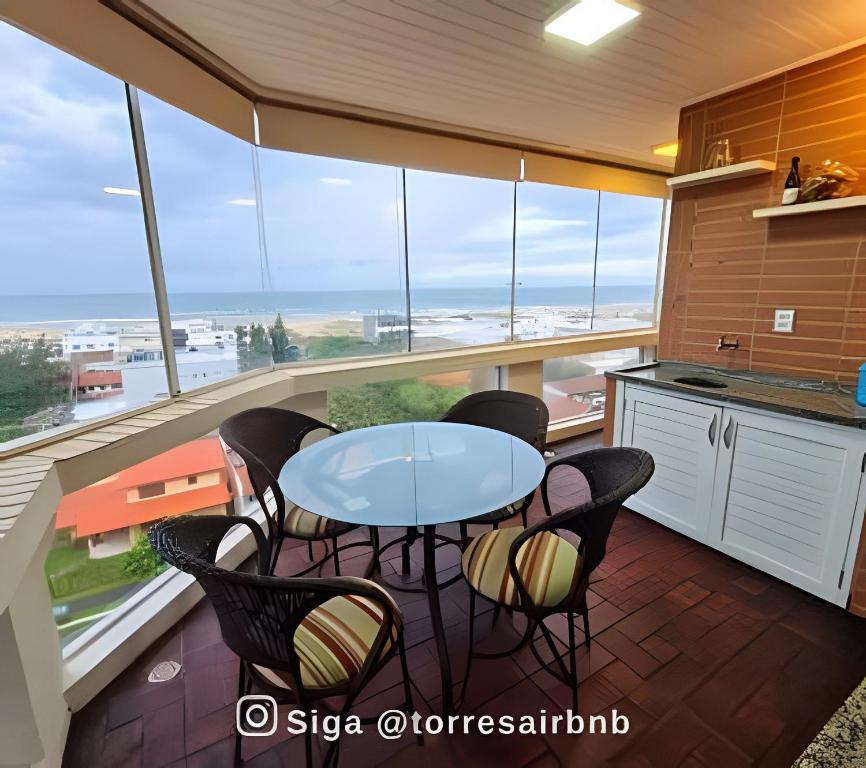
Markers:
point(259, 614)
point(266, 438)
point(613, 475)
point(523, 416)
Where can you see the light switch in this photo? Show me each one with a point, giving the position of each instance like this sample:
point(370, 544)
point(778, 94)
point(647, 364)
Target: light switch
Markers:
point(784, 322)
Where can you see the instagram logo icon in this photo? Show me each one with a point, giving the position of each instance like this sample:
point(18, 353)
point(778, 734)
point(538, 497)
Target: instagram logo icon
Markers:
point(256, 715)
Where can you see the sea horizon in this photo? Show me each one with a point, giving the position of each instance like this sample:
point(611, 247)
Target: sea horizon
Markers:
point(70, 308)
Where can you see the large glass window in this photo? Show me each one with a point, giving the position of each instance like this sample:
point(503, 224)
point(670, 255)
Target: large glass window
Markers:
point(101, 555)
point(460, 232)
point(76, 297)
point(555, 260)
point(574, 387)
point(629, 232)
point(335, 254)
point(204, 191)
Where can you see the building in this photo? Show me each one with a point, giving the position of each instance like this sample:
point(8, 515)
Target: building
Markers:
point(109, 515)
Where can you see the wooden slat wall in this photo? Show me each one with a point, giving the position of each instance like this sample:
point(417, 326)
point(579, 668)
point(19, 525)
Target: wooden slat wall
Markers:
point(727, 272)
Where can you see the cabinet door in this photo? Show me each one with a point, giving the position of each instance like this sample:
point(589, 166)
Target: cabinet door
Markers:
point(786, 494)
point(682, 436)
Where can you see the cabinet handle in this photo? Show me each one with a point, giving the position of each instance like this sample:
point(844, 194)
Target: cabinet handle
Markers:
point(712, 431)
point(729, 430)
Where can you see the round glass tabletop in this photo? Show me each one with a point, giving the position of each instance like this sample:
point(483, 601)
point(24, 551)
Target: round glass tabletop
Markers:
point(415, 473)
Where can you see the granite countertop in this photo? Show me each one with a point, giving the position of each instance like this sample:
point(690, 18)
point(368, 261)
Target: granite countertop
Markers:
point(842, 742)
point(807, 398)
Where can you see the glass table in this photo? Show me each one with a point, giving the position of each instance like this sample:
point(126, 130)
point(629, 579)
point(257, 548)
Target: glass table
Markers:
point(415, 474)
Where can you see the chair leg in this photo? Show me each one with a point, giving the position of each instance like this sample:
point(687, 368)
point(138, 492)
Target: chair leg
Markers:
point(310, 550)
point(407, 687)
point(242, 685)
point(464, 535)
point(336, 557)
point(276, 554)
point(470, 647)
point(572, 661)
point(496, 609)
point(585, 614)
point(524, 515)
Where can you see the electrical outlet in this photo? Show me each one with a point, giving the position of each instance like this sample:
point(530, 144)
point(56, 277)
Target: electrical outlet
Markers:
point(784, 321)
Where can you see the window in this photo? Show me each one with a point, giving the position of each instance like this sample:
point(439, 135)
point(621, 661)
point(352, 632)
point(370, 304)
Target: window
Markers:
point(460, 234)
point(629, 232)
point(574, 387)
point(555, 260)
point(204, 191)
point(150, 490)
point(335, 254)
point(426, 398)
point(101, 556)
point(73, 254)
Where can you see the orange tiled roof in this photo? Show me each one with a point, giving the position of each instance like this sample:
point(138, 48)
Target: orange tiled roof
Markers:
point(99, 378)
point(103, 506)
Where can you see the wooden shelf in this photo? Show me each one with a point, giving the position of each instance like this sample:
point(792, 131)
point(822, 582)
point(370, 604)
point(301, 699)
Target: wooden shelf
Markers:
point(735, 171)
point(816, 207)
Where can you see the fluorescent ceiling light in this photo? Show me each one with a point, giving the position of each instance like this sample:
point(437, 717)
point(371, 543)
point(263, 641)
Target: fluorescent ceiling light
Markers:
point(335, 180)
point(242, 201)
point(121, 191)
point(590, 20)
point(668, 149)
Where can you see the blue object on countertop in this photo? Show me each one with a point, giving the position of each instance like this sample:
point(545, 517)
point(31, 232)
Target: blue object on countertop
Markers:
point(861, 386)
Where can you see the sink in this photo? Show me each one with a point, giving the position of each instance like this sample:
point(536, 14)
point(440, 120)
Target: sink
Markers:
point(700, 381)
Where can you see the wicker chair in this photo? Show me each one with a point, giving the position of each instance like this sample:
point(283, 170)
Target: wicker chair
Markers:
point(538, 573)
point(300, 640)
point(266, 438)
point(520, 415)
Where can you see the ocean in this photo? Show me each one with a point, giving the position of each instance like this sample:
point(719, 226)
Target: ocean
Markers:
point(19, 310)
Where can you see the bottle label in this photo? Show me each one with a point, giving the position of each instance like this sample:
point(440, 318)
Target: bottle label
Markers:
point(789, 195)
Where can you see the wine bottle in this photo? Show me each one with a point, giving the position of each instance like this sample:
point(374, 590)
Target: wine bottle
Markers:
point(792, 183)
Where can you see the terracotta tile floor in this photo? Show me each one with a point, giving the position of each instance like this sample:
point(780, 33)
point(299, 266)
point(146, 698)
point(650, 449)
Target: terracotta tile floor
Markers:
point(713, 663)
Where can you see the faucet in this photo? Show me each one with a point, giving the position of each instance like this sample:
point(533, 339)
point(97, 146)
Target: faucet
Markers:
point(725, 344)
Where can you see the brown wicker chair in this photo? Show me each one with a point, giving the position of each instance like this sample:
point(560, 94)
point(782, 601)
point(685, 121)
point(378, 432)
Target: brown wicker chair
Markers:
point(266, 438)
point(538, 573)
point(300, 640)
point(523, 416)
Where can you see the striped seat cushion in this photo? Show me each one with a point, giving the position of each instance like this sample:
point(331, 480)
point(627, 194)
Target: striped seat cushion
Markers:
point(302, 524)
point(509, 510)
point(549, 567)
point(333, 642)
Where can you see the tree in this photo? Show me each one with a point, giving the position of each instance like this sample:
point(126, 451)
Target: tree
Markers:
point(387, 402)
point(142, 562)
point(281, 349)
point(30, 380)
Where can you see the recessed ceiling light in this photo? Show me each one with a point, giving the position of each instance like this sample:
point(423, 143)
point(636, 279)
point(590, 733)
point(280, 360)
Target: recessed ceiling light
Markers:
point(243, 201)
point(121, 191)
point(590, 20)
point(335, 180)
point(668, 149)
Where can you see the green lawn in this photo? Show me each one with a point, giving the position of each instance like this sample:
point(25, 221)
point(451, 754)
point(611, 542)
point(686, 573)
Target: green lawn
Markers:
point(72, 574)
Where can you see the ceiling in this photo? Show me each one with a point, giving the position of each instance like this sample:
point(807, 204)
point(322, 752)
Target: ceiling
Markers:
point(487, 65)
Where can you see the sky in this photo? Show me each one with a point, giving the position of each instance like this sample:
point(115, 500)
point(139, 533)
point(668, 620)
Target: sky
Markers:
point(328, 223)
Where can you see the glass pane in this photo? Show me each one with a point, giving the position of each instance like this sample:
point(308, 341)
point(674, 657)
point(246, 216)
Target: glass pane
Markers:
point(76, 298)
point(100, 556)
point(426, 398)
point(555, 260)
point(335, 253)
point(460, 251)
point(574, 387)
point(628, 255)
point(204, 191)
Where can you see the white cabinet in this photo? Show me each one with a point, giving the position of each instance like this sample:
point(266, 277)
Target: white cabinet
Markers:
point(682, 437)
point(785, 497)
point(782, 494)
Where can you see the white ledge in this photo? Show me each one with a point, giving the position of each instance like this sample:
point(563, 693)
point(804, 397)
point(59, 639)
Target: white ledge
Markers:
point(796, 209)
point(735, 171)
